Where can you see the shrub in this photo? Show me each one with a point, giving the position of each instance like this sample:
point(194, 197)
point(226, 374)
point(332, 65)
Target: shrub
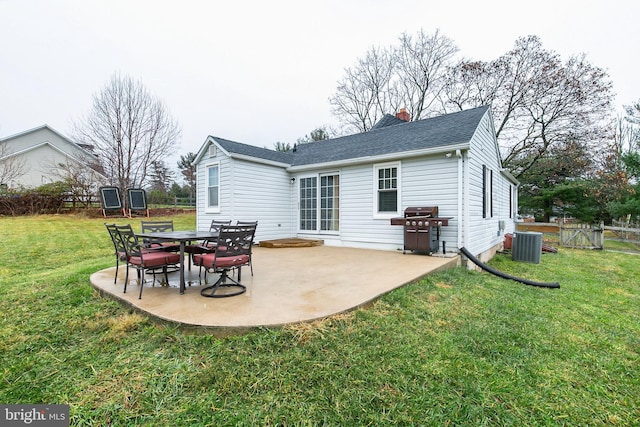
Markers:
point(48, 198)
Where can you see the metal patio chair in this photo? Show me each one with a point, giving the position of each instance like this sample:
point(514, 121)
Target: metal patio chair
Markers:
point(155, 227)
point(141, 259)
point(254, 224)
point(205, 246)
point(120, 251)
point(232, 252)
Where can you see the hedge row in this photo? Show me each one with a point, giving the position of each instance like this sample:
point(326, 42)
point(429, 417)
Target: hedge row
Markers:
point(48, 198)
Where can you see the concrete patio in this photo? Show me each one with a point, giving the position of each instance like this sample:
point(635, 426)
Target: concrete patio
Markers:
point(289, 285)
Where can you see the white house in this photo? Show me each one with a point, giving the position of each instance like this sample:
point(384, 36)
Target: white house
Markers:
point(345, 190)
point(38, 153)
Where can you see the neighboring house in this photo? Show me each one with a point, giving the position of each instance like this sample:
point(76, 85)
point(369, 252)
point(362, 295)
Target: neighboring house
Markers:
point(345, 190)
point(39, 152)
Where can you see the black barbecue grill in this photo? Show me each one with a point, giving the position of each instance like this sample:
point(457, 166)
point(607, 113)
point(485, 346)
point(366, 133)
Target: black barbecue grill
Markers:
point(421, 228)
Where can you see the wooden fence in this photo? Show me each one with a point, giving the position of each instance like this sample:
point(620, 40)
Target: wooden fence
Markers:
point(581, 236)
point(625, 231)
point(584, 236)
point(569, 234)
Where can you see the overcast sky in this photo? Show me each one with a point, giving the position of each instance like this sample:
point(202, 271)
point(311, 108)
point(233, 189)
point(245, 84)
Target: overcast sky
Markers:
point(262, 71)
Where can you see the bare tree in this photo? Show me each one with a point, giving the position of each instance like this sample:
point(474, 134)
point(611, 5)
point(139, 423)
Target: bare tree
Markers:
point(11, 165)
point(471, 83)
point(507, 83)
point(421, 66)
point(365, 94)
point(130, 130)
point(569, 104)
point(539, 103)
point(81, 179)
point(409, 75)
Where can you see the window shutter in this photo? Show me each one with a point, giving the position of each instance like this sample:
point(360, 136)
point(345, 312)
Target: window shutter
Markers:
point(490, 193)
point(484, 191)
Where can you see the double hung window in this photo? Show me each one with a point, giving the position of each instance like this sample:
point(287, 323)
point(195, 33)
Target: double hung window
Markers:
point(387, 183)
point(213, 187)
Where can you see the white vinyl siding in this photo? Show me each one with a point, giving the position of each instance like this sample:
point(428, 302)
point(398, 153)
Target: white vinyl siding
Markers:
point(358, 228)
point(487, 205)
point(42, 151)
point(249, 192)
point(432, 181)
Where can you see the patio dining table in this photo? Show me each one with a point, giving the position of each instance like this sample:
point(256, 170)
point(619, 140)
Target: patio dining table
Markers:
point(182, 237)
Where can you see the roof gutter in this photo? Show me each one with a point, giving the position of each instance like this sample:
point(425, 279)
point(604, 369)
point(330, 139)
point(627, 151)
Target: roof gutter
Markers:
point(258, 160)
point(54, 147)
point(509, 176)
point(381, 158)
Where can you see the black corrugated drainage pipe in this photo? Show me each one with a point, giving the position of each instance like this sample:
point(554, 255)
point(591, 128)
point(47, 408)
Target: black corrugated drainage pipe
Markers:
point(504, 275)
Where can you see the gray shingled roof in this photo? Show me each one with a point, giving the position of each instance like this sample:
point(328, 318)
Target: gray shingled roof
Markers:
point(387, 120)
point(441, 131)
point(253, 151)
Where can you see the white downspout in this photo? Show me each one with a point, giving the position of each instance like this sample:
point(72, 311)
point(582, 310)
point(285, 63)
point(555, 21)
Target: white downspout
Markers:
point(460, 199)
point(466, 171)
point(293, 203)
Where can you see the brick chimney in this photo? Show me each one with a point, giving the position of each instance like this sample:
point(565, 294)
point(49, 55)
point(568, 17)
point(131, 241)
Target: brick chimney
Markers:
point(403, 114)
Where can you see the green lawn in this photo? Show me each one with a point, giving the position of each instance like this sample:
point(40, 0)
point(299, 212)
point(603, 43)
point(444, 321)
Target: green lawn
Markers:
point(459, 348)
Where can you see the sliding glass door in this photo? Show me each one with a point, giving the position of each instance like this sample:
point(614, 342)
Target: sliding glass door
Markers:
point(320, 199)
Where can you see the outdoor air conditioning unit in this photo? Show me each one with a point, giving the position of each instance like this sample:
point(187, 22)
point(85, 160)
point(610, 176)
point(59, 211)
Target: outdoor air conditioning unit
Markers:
point(527, 246)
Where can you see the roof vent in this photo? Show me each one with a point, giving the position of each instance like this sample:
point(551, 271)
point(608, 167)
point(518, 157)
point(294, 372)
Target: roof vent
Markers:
point(212, 150)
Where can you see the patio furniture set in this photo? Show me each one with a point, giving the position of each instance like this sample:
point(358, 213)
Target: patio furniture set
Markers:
point(223, 249)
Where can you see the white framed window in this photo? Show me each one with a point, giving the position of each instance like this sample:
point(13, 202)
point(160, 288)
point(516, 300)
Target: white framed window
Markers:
point(387, 189)
point(213, 187)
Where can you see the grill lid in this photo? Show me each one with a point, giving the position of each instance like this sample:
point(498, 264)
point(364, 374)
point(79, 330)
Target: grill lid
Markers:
point(426, 211)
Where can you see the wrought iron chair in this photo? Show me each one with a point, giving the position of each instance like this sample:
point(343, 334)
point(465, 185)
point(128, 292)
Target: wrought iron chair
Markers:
point(141, 259)
point(205, 246)
point(120, 251)
point(158, 226)
point(254, 224)
point(233, 252)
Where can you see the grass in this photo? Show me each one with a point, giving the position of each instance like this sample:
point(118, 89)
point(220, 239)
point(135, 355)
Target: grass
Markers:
point(621, 246)
point(459, 348)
